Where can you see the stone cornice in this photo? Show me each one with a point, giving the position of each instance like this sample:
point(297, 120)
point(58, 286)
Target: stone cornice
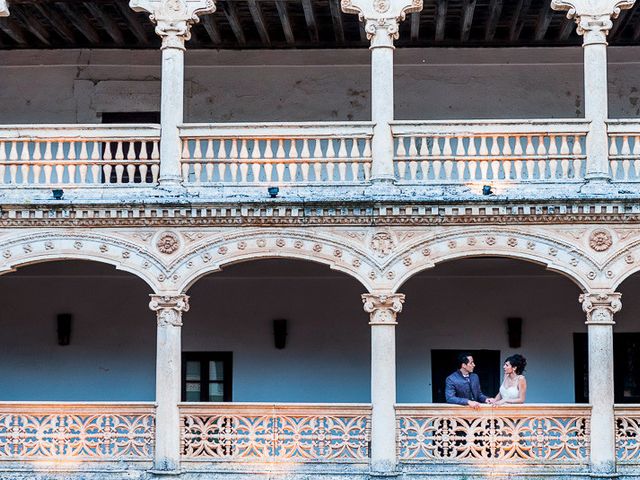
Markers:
point(279, 214)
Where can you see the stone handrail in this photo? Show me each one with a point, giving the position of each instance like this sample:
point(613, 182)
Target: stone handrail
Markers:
point(624, 150)
point(258, 432)
point(276, 153)
point(508, 151)
point(628, 434)
point(76, 432)
point(515, 434)
point(78, 155)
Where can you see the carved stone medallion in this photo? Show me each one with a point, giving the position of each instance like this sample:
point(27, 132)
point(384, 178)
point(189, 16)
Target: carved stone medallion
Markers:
point(168, 243)
point(600, 240)
point(382, 243)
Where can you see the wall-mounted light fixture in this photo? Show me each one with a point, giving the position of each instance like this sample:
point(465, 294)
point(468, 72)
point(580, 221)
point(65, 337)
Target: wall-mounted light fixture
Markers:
point(487, 190)
point(280, 333)
point(57, 193)
point(64, 328)
point(514, 332)
point(273, 191)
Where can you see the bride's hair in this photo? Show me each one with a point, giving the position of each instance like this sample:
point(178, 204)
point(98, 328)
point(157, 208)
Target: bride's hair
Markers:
point(518, 362)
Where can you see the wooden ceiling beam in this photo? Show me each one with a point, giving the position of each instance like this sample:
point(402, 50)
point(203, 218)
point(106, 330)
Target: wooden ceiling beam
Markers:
point(211, 27)
point(494, 17)
point(336, 19)
point(281, 6)
point(619, 24)
point(310, 18)
point(544, 20)
point(134, 23)
point(234, 22)
point(56, 21)
point(33, 26)
point(109, 25)
point(519, 19)
point(9, 26)
point(441, 20)
point(258, 20)
point(567, 27)
point(468, 9)
point(79, 22)
point(415, 26)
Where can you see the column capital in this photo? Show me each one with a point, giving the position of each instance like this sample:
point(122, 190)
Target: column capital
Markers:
point(382, 308)
point(381, 17)
point(594, 17)
point(169, 309)
point(600, 307)
point(173, 18)
point(4, 9)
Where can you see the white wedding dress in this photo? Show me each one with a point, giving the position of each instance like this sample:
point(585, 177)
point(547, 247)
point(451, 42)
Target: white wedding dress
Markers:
point(510, 393)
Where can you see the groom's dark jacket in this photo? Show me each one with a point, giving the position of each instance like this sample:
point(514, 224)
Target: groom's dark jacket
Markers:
point(460, 390)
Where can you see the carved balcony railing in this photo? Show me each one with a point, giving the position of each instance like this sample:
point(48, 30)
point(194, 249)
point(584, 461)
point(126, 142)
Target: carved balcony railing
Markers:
point(299, 433)
point(79, 155)
point(535, 435)
point(276, 154)
point(624, 150)
point(497, 151)
point(76, 432)
point(628, 434)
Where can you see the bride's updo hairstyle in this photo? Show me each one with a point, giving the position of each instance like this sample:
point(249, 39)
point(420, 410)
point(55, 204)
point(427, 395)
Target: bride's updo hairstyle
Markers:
point(518, 362)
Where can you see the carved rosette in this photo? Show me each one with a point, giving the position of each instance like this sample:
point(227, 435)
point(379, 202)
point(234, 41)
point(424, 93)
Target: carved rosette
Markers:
point(169, 309)
point(168, 243)
point(600, 240)
point(600, 307)
point(173, 18)
point(4, 9)
point(382, 309)
point(381, 17)
point(594, 17)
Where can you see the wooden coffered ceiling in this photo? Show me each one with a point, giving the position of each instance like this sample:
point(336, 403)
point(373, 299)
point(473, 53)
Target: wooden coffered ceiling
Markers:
point(265, 24)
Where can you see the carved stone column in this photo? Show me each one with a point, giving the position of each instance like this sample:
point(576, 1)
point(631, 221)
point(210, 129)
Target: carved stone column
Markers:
point(169, 310)
point(173, 19)
point(594, 19)
point(382, 310)
point(4, 9)
point(600, 308)
point(381, 19)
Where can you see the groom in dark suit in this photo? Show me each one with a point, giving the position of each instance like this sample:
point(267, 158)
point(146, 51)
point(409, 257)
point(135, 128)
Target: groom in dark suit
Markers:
point(462, 387)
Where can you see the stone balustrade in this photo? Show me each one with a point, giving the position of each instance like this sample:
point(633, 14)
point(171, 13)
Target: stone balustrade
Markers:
point(299, 433)
point(282, 154)
point(535, 435)
point(539, 151)
point(429, 435)
point(78, 155)
point(76, 432)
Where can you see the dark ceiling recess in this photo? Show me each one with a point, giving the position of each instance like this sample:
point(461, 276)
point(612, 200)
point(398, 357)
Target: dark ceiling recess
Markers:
point(283, 24)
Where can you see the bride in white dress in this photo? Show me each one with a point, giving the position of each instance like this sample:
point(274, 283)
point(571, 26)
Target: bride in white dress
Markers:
point(514, 385)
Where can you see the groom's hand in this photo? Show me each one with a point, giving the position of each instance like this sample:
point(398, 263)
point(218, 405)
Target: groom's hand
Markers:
point(473, 404)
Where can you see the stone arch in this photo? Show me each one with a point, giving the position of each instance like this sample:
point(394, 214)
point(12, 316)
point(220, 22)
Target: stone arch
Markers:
point(621, 265)
point(46, 246)
point(246, 245)
point(536, 247)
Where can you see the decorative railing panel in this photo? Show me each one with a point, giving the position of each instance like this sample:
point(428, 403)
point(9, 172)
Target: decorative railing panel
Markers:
point(282, 154)
point(275, 433)
point(628, 434)
point(79, 432)
point(529, 434)
point(624, 150)
point(79, 155)
point(497, 151)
